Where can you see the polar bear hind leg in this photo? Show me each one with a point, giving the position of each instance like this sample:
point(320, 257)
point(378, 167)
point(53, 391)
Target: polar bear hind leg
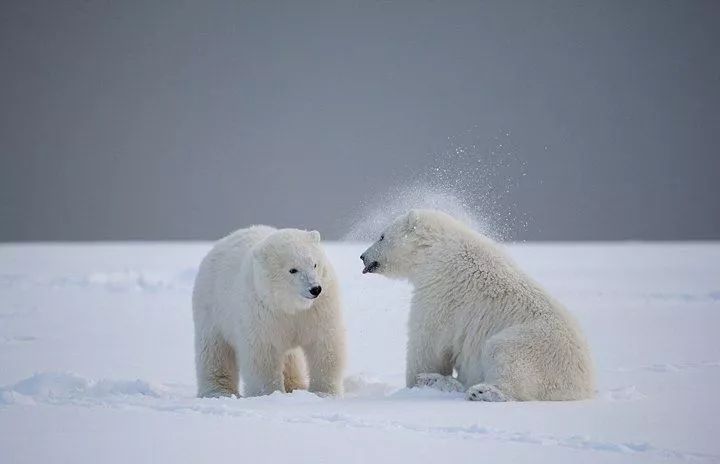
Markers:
point(295, 371)
point(217, 371)
point(514, 366)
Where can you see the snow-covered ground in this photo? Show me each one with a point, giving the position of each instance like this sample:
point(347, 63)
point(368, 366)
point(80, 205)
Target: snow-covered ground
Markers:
point(96, 365)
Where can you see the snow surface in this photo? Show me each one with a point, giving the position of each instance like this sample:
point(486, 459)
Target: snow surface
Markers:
point(96, 365)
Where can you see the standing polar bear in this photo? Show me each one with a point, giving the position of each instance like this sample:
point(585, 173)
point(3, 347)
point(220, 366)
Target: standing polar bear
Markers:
point(265, 299)
point(474, 311)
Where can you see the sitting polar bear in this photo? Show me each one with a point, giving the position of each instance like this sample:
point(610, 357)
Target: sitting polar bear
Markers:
point(474, 311)
point(260, 295)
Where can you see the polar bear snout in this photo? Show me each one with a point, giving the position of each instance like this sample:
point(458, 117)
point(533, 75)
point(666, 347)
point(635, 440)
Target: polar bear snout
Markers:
point(310, 290)
point(369, 266)
point(315, 291)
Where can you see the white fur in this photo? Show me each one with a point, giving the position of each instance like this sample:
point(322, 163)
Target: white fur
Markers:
point(255, 318)
point(475, 312)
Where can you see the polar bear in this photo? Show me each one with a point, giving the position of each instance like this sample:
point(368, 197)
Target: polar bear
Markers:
point(474, 311)
point(264, 302)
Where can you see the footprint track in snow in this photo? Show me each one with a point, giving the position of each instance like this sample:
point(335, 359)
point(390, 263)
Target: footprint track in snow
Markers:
point(669, 367)
point(16, 339)
point(487, 433)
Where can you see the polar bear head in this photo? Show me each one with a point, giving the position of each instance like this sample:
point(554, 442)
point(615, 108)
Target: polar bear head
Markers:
point(289, 269)
point(403, 245)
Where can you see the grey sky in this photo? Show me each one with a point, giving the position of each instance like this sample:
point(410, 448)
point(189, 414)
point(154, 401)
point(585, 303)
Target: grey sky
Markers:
point(184, 120)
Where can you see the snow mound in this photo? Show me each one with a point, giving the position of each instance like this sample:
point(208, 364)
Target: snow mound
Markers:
point(140, 280)
point(125, 280)
point(363, 385)
point(128, 280)
point(63, 386)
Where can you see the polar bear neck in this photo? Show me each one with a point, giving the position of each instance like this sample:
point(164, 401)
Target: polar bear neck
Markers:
point(263, 294)
point(459, 257)
point(462, 264)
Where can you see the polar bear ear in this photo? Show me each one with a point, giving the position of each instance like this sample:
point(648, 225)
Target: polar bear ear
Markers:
point(314, 236)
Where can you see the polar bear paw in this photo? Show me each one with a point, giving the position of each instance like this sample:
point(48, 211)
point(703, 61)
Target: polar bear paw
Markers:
point(445, 383)
point(485, 392)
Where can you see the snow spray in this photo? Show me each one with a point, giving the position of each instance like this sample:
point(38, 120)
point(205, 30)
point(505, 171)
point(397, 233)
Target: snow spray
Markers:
point(471, 184)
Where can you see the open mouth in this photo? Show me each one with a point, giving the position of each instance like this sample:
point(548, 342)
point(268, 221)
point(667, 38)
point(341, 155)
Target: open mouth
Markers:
point(371, 267)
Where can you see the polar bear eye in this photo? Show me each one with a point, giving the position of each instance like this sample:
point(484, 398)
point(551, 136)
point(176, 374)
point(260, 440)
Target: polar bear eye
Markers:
point(293, 271)
point(315, 266)
point(382, 237)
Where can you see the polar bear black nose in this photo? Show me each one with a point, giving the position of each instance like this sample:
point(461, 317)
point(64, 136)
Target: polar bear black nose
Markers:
point(362, 256)
point(315, 291)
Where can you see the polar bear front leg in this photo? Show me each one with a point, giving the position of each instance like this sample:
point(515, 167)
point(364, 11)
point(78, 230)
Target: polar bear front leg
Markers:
point(262, 370)
point(295, 371)
point(326, 360)
point(423, 360)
